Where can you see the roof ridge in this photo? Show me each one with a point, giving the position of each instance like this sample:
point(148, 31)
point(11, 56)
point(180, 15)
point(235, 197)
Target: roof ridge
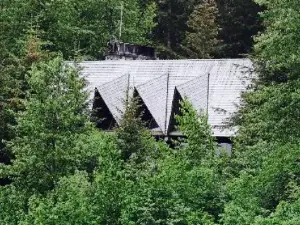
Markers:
point(115, 79)
point(164, 60)
point(153, 79)
point(192, 80)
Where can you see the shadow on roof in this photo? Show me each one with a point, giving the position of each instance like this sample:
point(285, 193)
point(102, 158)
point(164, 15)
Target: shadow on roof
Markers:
point(145, 113)
point(101, 115)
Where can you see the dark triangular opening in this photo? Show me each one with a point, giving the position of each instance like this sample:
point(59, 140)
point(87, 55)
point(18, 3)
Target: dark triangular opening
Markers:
point(144, 112)
point(175, 111)
point(101, 114)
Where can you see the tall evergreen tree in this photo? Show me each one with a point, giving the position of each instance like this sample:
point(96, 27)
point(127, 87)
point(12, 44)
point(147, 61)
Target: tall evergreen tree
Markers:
point(239, 22)
point(134, 141)
point(47, 129)
point(266, 189)
point(6, 95)
point(171, 26)
point(13, 68)
point(201, 37)
point(76, 27)
point(186, 187)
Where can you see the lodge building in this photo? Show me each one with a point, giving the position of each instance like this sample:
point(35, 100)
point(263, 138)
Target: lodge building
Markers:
point(213, 86)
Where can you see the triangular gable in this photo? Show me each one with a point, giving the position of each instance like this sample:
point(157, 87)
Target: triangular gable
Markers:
point(154, 95)
point(145, 113)
point(114, 95)
point(228, 78)
point(101, 115)
point(196, 90)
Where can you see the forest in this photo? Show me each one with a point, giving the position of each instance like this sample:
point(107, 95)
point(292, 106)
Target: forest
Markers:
point(56, 167)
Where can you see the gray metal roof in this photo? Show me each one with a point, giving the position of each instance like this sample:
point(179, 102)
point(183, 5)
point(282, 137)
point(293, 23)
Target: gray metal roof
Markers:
point(154, 95)
point(113, 93)
point(222, 80)
point(196, 91)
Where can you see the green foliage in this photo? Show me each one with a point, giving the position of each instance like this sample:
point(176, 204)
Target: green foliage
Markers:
point(98, 21)
point(266, 190)
point(76, 27)
point(256, 193)
point(13, 86)
point(66, 172)
point(47, 130)
point(235, 22)
point(175, 195)
point(270, 114)
point(239, 22)
point(286, 213)
point(82, 28)
point(174, 192)
point(83, 198)
point(201, 37)
point(78, 200)
point(185, 187)
point(13, 204)
point(7, 102)
point(169, 32)
point(69, 203)
point(277, 48)
point(53, 140)
point(199, 140)
point(134, 141)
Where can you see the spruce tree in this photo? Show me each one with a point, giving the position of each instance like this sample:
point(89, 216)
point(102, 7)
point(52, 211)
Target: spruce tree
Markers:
point(186, 187)
point(134, 141)
point(239, 22)
point(171, 26)
point(201, 37)
point(76, 27)
point(53, 119)
point(199, 141)
point(266, 187)
point(13, 68)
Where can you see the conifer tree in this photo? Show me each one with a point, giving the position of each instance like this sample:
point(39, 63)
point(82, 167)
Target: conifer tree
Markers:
point(13, 68)
point(266, 160)
point(239, 22)
point(186, 187)
point(6, 117)
point(76, 27)
point(201, 37)
point(133, 139)
point(53, 118)
point(170, 30)
point(199, 141)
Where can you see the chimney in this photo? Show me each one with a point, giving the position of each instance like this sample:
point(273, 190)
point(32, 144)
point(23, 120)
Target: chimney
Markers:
point(124, 51)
